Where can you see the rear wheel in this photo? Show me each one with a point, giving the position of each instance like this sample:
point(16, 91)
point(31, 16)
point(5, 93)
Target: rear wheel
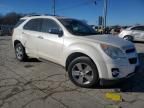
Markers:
point(128, 37)
point(20, 52)
point(83, 72)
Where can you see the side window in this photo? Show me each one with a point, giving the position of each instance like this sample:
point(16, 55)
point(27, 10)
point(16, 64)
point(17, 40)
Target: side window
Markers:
point(34, 25)
point(141, 28)
point(49, 24)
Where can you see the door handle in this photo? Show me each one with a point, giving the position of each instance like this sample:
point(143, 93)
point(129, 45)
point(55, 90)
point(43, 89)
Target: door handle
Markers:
point(24, 33)
point(40, 37)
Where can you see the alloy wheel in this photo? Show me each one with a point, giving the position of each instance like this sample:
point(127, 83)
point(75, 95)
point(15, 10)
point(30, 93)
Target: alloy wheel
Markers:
point(82, 73)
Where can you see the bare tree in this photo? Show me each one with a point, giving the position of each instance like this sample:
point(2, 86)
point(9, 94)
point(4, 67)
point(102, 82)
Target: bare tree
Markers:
point(10, 18)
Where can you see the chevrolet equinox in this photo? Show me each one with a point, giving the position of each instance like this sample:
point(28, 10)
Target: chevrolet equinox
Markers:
point(88, 58)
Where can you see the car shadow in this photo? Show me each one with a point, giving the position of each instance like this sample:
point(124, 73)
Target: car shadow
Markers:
point(133, 84)
point(32, 60)
point(138, 42)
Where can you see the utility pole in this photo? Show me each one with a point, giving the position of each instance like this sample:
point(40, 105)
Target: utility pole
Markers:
point(105, 14)
point(53, 8)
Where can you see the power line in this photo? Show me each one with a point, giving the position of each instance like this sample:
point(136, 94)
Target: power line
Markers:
point(78, 5)
point(53, 7)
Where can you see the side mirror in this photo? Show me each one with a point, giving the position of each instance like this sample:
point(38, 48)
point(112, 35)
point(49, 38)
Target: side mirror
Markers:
point(56, 31)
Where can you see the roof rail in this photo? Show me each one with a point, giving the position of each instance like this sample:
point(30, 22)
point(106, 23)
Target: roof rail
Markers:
point(30, 15)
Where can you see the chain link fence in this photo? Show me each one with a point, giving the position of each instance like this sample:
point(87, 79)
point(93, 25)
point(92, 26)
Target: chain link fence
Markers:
point(6, 30)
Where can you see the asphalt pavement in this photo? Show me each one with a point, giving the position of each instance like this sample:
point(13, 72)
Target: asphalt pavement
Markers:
point(37, 84)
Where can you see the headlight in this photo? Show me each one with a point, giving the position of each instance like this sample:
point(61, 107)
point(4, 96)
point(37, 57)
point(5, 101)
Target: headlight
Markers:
point(112, 51)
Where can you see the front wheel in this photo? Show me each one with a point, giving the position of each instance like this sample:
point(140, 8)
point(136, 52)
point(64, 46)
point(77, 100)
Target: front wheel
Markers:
point(83, 72)
point(129, 38)
point(20, 52)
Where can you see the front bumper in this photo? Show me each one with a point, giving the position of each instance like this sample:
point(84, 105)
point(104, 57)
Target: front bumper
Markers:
point(124, 66)
point(108, 82)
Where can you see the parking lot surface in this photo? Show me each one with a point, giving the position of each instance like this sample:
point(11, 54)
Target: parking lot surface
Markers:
point(36, 84)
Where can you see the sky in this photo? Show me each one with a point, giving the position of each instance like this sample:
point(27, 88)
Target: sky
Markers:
point(120, 12)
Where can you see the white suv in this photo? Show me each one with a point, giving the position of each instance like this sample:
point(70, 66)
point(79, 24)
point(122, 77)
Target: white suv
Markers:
point(89, 58)
point(134, 33)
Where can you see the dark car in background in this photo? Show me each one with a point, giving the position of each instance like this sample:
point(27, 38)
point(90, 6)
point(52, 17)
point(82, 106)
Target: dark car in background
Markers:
point(6, 30)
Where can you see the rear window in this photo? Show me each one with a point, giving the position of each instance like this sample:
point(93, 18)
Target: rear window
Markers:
point(19, 23)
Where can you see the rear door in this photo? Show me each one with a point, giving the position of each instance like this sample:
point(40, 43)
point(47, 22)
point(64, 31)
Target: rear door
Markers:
point(138, 33)
point(30, 34)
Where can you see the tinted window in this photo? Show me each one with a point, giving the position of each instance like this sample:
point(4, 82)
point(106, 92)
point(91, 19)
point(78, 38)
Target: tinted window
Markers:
point(34, 25)
point(49, 24)
point(138, 28)
point(19, 23)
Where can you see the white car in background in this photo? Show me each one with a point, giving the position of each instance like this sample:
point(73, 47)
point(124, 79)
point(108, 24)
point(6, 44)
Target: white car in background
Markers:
point(134, 33)
point(88, 58)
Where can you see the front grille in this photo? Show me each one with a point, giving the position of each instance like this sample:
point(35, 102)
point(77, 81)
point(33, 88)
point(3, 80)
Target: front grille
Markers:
point(130, 50)
point(133, 60)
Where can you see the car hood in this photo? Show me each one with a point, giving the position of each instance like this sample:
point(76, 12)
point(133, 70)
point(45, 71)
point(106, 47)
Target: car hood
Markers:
point(110, 40)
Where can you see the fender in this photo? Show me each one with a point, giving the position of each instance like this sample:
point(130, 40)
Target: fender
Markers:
point(91, 52)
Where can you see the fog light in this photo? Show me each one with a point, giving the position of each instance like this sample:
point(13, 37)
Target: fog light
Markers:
point(115, 72)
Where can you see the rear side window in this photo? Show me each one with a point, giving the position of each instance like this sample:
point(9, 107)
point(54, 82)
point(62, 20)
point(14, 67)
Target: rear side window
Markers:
point(49, 24)
point(19, 23)
point(34, 25)
point(141, 28)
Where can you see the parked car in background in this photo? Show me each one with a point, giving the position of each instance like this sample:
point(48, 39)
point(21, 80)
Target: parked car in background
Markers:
point(134, 33)
point(94, 27)
point(6, 30)
point(88, 58)
point(0, 31)
point(115, 31)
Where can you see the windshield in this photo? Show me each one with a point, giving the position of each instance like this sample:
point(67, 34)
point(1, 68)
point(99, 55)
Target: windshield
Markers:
point(77, 27)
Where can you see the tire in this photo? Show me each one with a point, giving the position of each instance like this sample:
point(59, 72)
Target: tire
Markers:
point(128, 37)
point(20, 52)
point(83, 72)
